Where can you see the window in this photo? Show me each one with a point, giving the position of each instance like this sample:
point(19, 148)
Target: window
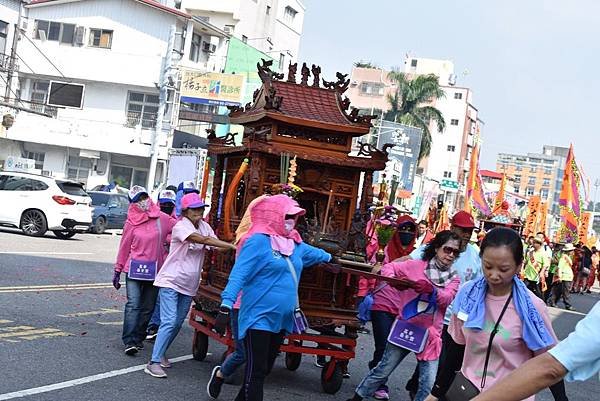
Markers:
point(544, 194)
point(548, 171)
point(533, 169)
point(16, 183)
point(517, 190)
point(531, 181)
point(529, 191)
point(3, 33)
point(454, 121)
point(39, 94)
point(519, 168)
point(71, 188)
point(142, 109)
point(101, 38)
point(546, 182)
point(517, 179)
point(268, 10)
point(289, 15)
point(451, 148)
point(371, 88)
point(78, 169)
point(39, 159)
point(458, 95)
point(281, 60)
point(244, 38)
point(447, 174)
point(55, 31)
point(413, 63)
point(196, 47)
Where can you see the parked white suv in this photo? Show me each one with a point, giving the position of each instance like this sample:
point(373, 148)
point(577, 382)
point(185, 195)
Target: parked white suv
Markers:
point(36, 204)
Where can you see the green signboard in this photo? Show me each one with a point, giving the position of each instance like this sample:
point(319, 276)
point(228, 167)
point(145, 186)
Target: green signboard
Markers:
point(448, 184)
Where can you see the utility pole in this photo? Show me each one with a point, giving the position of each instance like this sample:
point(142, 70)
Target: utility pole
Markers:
point(162, 104)
point(596, 185)
point(13, 54)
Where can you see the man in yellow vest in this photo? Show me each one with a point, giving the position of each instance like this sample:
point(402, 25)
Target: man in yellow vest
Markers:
point(536, 266)
point(563, 277)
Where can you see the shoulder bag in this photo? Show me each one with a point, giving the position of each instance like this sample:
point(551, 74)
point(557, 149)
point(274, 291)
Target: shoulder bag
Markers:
point(145, 270)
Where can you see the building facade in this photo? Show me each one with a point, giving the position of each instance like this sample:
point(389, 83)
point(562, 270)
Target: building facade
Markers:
point(273, 27)
point(451, 149)
point(533, 174)
point(88, 90)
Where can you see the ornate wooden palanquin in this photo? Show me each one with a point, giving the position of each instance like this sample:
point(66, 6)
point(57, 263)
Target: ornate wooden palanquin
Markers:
point(311, 123)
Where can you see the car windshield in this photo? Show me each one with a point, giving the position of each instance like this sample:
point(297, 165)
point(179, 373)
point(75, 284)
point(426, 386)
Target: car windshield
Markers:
point(99, 199)
point(71, 188)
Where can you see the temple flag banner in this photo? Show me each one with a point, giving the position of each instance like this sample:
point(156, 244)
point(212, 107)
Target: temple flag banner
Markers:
point(532, 216)
point(570, 200)
point(584, 227)
point(475, 196)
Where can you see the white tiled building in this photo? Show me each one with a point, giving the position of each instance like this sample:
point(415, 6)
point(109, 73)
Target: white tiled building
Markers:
point(110, 53)
point(271, 26)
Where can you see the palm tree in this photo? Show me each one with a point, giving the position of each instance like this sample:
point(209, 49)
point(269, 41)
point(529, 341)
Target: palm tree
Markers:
point(408, 104)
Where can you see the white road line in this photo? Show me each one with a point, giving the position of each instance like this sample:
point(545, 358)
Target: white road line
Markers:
point(80, 381)
point(55, 289)
point(54, 286)
point(102, 311)
point(43, 253)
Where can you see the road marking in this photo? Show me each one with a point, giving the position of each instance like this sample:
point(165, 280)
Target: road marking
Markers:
point(111, 323)
point(558, 311)
point(16, 328)
point(3, 321)
point(43, 253)
point(80, 381)
point(60, 287)
point(27, 333)
point(102, 311)
point(53, 286)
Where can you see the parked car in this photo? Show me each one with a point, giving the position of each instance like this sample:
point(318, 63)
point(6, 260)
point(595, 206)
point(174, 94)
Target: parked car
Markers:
point(110, 211)
point(36, 204)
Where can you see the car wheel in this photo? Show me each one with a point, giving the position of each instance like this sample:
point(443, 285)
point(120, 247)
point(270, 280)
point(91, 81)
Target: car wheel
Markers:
point(64, 234)
point(100, 225)
point(33, 223)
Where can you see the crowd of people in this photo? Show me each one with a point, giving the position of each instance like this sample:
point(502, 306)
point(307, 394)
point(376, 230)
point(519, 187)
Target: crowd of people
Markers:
point(475, 305)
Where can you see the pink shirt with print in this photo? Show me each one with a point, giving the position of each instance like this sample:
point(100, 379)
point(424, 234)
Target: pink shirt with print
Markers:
point(181, 271)
point(509, 350)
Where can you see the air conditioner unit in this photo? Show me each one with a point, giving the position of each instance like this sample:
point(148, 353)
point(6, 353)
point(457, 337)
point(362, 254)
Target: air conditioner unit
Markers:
point(42, 35)
point(24, 24)
point(79, 36)
point(228, 29)
point(208, 47)
point(354, 83)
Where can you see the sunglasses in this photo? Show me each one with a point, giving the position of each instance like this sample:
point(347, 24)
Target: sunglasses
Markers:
point(449, 250)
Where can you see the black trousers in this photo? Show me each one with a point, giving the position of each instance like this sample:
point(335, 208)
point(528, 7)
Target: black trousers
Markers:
point(535, 288)
point(261, 351)
point(561, 290)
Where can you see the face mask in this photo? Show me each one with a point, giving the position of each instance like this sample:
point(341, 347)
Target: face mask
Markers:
point(144, 204)
point(167, 208)
point(289, 225)
point(406, 238)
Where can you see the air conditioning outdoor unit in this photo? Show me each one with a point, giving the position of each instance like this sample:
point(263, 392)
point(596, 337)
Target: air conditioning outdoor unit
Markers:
point(228, 29)
point(79, 36)
point(42, 35)
point(208, 48)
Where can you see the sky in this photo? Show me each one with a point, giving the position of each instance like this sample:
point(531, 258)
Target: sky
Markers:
point(532, 65)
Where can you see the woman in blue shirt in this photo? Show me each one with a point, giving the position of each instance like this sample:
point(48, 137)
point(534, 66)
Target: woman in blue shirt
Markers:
point(267, 270)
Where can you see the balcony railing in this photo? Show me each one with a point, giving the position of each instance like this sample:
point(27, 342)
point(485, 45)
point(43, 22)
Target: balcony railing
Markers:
point(135, 118)
point(32, 107)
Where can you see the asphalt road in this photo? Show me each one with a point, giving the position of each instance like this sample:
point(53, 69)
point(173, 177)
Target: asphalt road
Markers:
point(60, 325)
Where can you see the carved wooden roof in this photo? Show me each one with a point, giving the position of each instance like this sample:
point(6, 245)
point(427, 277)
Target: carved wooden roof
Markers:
point(304, 104)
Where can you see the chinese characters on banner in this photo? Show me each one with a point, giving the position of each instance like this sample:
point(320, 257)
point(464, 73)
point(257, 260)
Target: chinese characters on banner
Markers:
point(211, 88)
point(543, 218)
point(532, 216)
point(584, 226)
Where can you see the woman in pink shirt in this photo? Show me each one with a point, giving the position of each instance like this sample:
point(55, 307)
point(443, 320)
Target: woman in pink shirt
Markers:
point(179, 278)
point(419, 309)
point(497, 324)
point(141, 255)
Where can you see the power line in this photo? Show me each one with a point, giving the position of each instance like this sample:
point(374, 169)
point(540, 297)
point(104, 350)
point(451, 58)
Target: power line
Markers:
point(10, 89)
point(25, 63)
point(46, 57)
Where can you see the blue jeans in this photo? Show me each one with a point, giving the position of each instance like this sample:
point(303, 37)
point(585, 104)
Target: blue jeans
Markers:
point(392, 357)
point(238, 357)
point(174, 308)
point(382, 324)
point(141, 297)
point(155, 319)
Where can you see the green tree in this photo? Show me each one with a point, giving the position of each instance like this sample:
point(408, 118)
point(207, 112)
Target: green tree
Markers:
point(408, 104)
point(365, 64)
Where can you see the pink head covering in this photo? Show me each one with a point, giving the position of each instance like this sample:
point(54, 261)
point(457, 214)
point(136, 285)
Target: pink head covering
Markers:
point(268, 217)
